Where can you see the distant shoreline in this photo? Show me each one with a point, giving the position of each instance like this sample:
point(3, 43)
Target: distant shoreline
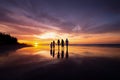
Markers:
point(12, 47)
point(96, 45)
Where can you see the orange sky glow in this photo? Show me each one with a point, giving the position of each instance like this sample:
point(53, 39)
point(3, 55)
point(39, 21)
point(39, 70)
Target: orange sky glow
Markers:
point(46, 38)
point(74, 37)
point(82, 23)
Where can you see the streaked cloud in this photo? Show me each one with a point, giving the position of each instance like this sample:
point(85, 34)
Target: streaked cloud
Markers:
point(71, 18)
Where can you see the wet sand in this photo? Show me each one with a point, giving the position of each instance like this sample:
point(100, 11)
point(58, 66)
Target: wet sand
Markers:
point(7, 48)
point(29, 66)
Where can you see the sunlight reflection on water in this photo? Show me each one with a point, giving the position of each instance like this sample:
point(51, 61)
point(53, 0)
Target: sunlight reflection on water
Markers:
point(74, 51)
point(42, 54)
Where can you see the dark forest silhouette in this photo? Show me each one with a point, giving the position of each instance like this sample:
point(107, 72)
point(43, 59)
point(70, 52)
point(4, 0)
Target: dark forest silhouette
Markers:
point(9, 43)
point(6, 39)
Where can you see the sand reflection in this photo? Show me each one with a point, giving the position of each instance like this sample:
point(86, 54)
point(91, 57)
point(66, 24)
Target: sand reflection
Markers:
point(44, 53)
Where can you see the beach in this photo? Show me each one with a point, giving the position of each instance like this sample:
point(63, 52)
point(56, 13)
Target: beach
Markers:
point(82, 62)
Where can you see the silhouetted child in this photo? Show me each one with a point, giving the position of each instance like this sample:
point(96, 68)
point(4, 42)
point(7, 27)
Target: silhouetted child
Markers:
point(53, 44)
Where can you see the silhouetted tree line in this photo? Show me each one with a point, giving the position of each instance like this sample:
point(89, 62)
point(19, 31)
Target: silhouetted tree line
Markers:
point(7, 39)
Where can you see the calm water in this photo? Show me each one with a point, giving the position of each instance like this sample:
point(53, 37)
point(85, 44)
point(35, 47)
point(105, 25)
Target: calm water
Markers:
point(31, 55)
point(30, 59)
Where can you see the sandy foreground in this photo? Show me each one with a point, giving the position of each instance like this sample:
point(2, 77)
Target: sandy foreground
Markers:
point(24, 65)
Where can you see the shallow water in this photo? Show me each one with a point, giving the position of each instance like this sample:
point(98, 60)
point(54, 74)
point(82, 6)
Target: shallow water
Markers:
point(36, 54)
point(77, 58)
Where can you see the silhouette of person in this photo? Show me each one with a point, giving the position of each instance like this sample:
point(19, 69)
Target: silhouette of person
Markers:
point(67, 43)
point(53, 44)
point(58, 43)
point(62, 53)
point(62, 43)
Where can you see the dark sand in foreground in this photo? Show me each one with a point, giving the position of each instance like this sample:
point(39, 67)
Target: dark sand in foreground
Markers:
point(75, 68)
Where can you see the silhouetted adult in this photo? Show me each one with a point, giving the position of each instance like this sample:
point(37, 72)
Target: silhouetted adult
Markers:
point(67, 43)
point(62, 43)
point(58, 43)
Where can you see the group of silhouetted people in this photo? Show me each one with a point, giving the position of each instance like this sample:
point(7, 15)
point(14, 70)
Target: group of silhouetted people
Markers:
point(52, 44)
point(62, 43)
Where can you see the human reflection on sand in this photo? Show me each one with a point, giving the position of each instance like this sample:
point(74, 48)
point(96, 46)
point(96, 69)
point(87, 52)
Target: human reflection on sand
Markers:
point(31, 55)
point(60, 54)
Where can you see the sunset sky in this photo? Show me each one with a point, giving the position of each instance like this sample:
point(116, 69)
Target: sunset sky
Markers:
point(81, 21)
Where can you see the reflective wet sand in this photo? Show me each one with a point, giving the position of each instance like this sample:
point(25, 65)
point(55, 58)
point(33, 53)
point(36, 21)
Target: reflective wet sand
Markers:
point(41, 62)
